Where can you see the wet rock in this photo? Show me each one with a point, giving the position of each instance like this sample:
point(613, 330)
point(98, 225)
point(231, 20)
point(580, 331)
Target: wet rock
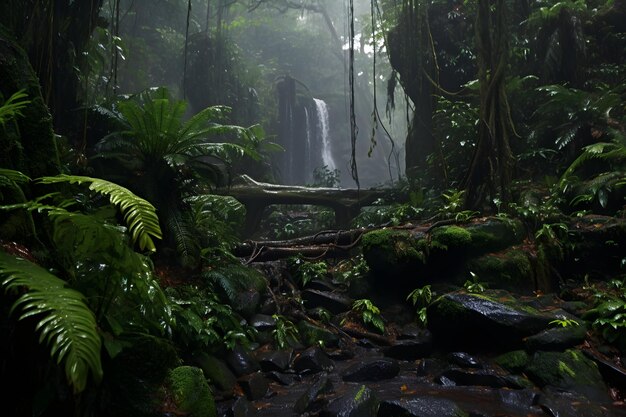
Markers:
point(464, 360)
point(410, 331)
point(359, 401)
point(558, 338)
point(282, 378)
point(241, 361)
point(470, 321)
point(411, 349)
point(567, 404)
point(275, 360)
point(569, 371)
point(254, 385)
point(263, 322)
point(321, 285)
point(521, 399)
point(216, 371)
point(334, 302)
point(419, 407)
point(481, 377)
point(312, 360)
point(611, 372)
point(240, 407)
point(321, 385)
point(494, 234)
point(312, 335)
point(376, 369)
point(431, 366)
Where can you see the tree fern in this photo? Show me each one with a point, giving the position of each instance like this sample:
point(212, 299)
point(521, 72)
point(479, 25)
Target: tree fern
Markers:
point(65, 323)
point(139, 214)
point(13, 106)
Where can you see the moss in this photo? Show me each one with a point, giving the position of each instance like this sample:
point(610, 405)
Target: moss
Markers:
point(495, 234)
point(449, 237)
point(386, 248)
point(514, 361)
point(191, 392)
point(311, 335)
point(568, 369)
point(510, 269)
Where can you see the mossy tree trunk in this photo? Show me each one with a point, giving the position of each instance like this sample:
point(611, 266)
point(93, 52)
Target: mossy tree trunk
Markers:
point(489, 175)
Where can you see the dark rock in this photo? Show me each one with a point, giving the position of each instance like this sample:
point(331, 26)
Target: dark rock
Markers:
point(334, 302)
point(470, 321)
point(464, 360)
point(558, 338)
point(190, 392)
point(312, 360)
point(241, 361)
point(371, 370)
point(312, 335)
point(254, 385)
point(410, 331)
point(240, 407)
point(247, 302)
point(321, 385)
point(494, 234)
point(283, 379)
point(321, 285)
point(567, 404)
point(274, 360)
point(569, 371)
point(481, 377)
point(262, 322)
point(216, 371)
point(431, 366)
point(522, 399)
point(359, 401)
point(611, 372)
point(419, 407)
point(411, 349)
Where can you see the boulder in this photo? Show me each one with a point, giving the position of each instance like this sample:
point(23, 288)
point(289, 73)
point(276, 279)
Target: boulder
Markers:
point(321, 385)
point(358, 401)
point(312, 360)
point(411, 349)
point(332, 301)
point(241, 361)
point(190, 392)
point(216, 371)
point(470, 321)
point(254, 385)
point(557, 338)
point(274, 360)
point(420, 407)
point(481, 377)
point(510, 269)
point(376, 369)
point(311, 335)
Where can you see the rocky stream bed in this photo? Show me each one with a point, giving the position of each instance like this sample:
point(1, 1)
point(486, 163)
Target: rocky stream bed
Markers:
point(521, 344)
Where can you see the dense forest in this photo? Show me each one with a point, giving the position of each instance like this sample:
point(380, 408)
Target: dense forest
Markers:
point(365, 208)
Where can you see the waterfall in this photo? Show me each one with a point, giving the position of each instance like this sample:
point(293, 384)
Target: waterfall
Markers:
point(308, 150)
point(323, 133)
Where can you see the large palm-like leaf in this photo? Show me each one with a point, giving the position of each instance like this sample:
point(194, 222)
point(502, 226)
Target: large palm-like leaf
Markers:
point(64, 321)
point(139, 214)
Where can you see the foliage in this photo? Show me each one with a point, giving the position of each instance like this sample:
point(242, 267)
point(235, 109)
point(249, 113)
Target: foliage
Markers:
point(382, 212)
point(285, 332)
point(454, 201)
point(564, 322)
point(203, 322)
point(139, 215)
point(609, 314)
point(370, 314)
point(12, 107)
point(325, 177)
point(304, 271)
point(232, 279)
point(421, 298)
point(473, 285)
point(351, 269)
point(64, 321)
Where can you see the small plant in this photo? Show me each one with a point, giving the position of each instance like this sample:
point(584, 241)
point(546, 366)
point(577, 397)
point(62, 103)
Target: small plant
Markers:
point(421, 298)
point(285, 332)
point(370, 314)
point(473, 285)
point(352, 269)
point(307, 271)
point(564, 322)
point(325, 177)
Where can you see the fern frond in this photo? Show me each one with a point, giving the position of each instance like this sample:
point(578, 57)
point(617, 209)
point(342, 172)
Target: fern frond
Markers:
point(13, 106)
point(139, 214)
point(65, 322)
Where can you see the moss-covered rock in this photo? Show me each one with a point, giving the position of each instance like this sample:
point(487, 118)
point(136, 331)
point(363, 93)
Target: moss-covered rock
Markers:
point(312, 335)
point(494, 234)
point(450, 237)
point(216, 371)
point(514, 361)
point(510, 269)
point(190, 392)
point(570, 371)
point(134, 377)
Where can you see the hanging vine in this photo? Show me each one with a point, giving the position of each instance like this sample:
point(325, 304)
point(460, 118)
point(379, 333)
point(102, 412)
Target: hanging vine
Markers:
point(353, 127)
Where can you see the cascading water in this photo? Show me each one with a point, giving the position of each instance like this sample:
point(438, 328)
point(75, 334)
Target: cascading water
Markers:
point(323, 133)
point(308, 149)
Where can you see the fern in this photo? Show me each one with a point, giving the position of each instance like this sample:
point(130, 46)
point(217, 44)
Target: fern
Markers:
point(139, 214)
point(12, 108)
point(65, 323)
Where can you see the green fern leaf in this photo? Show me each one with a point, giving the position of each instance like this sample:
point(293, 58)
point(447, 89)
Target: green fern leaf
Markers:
point(139, 214)
point(65, 322)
